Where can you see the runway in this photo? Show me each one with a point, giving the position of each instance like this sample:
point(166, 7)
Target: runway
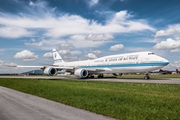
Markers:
point(157, 81)
point(15, 105)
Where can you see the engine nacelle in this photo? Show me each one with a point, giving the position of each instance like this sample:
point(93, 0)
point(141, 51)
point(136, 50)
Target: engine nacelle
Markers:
point(81, 73)
point(50, 71)
point(117, 74)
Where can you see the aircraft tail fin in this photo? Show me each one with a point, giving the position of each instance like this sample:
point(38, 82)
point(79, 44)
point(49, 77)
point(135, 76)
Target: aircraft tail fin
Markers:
point(56, 56)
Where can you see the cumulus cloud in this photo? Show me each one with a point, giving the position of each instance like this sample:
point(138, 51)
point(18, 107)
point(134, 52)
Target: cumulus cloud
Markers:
point(91, 56)
point(116, 47)
point(174, 65)
point(121, 23)
point(79, 41)
point(164, 32)
point(48, 55)
point(26, 55)
point(71, 58)
point(1, 62)
point(31, 3)
point(93, 2)
point(99, 37)
point(64, 52)
point(175, 50)
point(67, 24)
point(97, 52)
point(171, 30)
point(169, 44)
point(76, 52)
point(34, 44)
point(14, 32)
point(65, 46)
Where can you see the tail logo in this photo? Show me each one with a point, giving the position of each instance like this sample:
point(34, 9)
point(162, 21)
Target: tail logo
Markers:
point(55, 55)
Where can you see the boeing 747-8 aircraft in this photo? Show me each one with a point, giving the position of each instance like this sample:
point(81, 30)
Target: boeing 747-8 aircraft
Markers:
point(137, 62)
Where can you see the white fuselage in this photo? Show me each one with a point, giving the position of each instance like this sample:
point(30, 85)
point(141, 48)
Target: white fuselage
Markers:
point(120, 63)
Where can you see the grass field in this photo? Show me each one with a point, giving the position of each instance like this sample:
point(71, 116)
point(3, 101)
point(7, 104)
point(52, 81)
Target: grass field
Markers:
point(124, 101)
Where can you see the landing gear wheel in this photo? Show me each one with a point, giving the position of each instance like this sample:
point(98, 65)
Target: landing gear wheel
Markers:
point(100, 76)
point(146, 77)
point(90, 76)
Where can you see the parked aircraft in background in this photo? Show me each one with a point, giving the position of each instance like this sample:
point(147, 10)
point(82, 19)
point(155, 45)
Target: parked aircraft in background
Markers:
point(137, 62)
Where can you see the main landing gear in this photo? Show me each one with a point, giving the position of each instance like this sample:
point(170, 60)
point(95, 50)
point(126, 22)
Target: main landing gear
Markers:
point(90, 76)
point(146, 77)
point(100, 76)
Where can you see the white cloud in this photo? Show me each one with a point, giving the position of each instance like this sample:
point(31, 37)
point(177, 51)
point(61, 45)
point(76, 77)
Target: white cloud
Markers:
point(116, 47)
point(91, 56)
point(175, 50)
point(31, 3)
point(174, 65)
point(169, 44)
point(1, 62)
point(121, 23)
point(76, 52)
point(99, 37)
point(48, 55)
point(65, 46)
point(39, 4)
point(14, 32)
point(97, 52)
point(26, 55)
point(71, 58)
point(34, 44)
point(165, 32)
point(64, 52)
point(67, 24)
point(171, 30)
point(93, 2)
point(79, 41)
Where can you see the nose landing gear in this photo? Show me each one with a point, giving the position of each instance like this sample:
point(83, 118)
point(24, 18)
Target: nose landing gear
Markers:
point(146, 77)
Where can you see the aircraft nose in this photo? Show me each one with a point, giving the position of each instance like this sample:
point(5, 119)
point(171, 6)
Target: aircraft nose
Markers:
point(165, 61)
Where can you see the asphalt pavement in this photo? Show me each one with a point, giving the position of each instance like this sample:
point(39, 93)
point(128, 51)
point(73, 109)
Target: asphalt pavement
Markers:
point(15, 105)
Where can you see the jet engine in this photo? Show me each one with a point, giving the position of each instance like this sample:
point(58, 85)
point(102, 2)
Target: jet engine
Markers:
point(81, 73)
point(50, 71)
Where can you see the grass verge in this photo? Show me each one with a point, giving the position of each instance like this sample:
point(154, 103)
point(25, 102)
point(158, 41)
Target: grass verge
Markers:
point(125, 101)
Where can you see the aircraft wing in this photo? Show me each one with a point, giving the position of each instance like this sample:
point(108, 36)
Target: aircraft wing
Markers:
point(88, 69)
point(54, 66)
point(62, 67)
point(94, 69)
point(24, 66)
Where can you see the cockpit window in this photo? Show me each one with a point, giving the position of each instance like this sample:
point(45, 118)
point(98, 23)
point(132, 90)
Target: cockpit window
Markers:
point(151, 54)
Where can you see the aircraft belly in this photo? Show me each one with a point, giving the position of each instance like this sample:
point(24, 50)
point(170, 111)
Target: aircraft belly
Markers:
point(133, 69)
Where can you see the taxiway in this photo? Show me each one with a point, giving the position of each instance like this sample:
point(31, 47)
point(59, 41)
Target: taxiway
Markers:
point(157, 81)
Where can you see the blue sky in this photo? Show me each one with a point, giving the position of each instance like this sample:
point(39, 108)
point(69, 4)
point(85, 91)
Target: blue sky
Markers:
point(87, 29)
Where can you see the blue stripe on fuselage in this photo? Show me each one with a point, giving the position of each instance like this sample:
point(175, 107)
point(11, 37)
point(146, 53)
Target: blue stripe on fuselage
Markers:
point(128, 65)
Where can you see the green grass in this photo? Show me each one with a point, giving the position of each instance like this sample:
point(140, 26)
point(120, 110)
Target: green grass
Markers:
point(125, 101)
